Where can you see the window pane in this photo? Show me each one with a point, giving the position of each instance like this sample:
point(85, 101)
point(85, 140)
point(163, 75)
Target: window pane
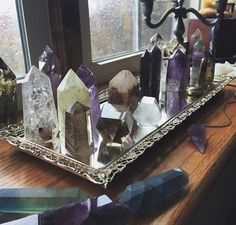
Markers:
point(10, 41)
point(118, 27)
point(164, 30)
point(111, 27)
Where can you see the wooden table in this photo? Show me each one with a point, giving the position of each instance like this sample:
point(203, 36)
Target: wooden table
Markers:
point(18, 170)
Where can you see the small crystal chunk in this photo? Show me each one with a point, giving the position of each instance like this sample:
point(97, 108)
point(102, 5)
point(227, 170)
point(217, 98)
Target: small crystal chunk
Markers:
point(198, 134)
point(122, 88)
point(116, 123)
point(50, 65)
point(71, 90)
point(7, 95)
point(78, 134)
point(40, 115)
point(148, 112)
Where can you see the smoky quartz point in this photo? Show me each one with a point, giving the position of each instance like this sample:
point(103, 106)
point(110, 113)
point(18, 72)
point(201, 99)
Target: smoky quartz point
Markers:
point(78, 132)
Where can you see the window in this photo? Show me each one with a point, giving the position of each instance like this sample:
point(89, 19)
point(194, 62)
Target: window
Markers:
point(25, 31)
point(11, 50)
point(114, 33)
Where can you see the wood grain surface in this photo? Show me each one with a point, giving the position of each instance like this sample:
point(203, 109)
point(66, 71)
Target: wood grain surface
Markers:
point(18, 170)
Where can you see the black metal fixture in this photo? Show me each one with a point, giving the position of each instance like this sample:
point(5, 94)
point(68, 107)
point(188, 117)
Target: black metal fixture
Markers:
point(180, 13)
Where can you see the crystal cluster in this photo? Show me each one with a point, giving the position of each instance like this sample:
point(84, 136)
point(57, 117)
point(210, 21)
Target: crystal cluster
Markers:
point(50, 65)
point(40, 115)
point(7, 95)
point(89, 80)
point(70, 91)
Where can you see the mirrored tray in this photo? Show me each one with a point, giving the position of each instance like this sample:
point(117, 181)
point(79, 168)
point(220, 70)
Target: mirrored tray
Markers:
point(103, 173)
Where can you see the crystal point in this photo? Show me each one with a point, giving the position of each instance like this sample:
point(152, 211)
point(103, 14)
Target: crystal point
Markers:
point(148, 112)
point(122, 88)
point(178, 72)
point(154, 192)
point(156, 60)
point(89, 80)
point(70, 91)
point(50, 65)
point(7, 95)
point(40, 116)
point(198, 134)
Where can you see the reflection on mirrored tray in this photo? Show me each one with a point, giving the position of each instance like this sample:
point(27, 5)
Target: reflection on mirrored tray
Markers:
point(128, 128)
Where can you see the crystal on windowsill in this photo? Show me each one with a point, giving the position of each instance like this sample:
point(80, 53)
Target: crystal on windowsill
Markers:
point(7, 95)
point(40, 115)
point(70, 91)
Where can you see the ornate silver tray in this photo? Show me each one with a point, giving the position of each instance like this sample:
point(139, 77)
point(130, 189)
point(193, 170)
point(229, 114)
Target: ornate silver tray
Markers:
point(103, 175)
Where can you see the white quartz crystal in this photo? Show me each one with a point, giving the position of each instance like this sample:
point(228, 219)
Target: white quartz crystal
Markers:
point(40, 116)
point(147, 113)
point(70, 91)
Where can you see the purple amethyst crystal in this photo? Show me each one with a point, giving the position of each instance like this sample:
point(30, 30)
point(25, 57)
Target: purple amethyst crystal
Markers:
point(198, 134)
point(50, 65)
point(96, 211)
point(178, 72)
point(175, 102)
point(89, 80)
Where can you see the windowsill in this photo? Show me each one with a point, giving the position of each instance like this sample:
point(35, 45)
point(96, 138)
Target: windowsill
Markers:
point(107, 61)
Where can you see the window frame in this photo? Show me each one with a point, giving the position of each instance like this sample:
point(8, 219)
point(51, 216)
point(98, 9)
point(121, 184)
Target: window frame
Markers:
point(106, 69)
point(28, 11)
point(35, 29)
point(103, 70)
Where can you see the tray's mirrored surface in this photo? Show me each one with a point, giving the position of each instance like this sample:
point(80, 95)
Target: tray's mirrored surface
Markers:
point(109, 158)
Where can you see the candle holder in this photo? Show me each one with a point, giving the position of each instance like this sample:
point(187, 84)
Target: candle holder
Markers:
point(180, 13)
